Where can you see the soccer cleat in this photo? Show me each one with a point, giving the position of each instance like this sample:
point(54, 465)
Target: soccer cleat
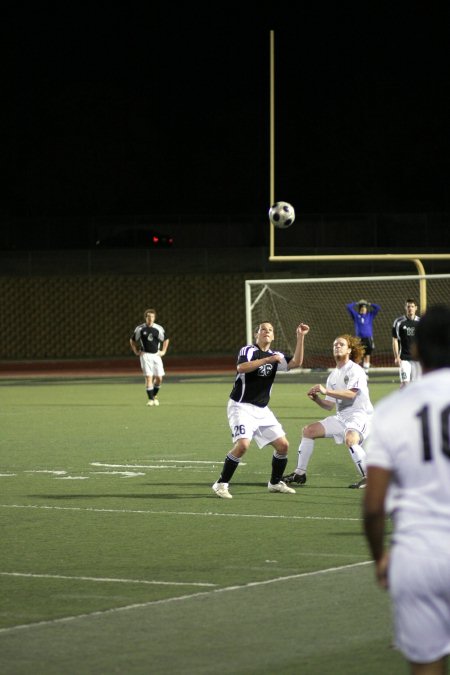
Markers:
point(280, 487)
point(150, 402)
point(155, 401)
point(360, 484)
point(295, 478)
point(221, 490)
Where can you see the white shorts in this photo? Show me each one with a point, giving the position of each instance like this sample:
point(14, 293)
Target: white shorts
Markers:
point(420, 590)
point(250, 421)
point(152, 365)
point(409, 371)
point(336, 428)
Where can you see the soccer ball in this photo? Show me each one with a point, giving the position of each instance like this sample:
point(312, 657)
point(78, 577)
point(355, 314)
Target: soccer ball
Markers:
point(282, 215)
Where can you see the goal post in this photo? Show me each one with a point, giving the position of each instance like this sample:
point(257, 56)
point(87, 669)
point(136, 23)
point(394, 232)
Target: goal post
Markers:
point(321, 303)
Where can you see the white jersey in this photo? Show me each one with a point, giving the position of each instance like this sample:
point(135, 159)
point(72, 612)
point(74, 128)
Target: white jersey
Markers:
point(410, 437)
point(350, 376)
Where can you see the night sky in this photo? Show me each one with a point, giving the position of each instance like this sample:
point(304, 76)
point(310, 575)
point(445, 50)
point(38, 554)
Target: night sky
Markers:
point(166, 111)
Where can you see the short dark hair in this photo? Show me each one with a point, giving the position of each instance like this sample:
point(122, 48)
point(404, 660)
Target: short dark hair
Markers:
point(258, 325)
point(433, 337)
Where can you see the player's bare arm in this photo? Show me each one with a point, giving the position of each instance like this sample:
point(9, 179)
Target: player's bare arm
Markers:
point(297, 359)
point(135, 348)
point(395, 349)
point(374, 517)
point(348, 394)
point(165, 346)
point(313, 394)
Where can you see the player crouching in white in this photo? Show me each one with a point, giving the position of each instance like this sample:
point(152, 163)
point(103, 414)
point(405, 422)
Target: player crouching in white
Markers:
point(249, 415)
point(346, 389)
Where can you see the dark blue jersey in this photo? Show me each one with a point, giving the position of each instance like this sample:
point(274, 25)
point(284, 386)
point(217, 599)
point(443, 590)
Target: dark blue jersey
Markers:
point(255, 387)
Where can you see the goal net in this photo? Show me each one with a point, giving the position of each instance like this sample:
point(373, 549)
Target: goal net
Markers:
point(321, 303)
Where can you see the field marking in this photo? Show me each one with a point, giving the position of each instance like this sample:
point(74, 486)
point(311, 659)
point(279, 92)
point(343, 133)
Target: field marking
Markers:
point(124, 474)
point(182, 465)
point(164, 464)
point(105, 579)
point(51, 471)
point(180, 598)
point(161, 461)
point(174, 513)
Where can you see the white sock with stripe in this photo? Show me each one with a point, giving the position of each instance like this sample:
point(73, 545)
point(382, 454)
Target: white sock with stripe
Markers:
point(305, 450)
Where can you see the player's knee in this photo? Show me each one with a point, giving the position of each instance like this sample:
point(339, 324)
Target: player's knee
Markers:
point(309, 431)
point(282, 446)
point(352, 438)
point(240, 447)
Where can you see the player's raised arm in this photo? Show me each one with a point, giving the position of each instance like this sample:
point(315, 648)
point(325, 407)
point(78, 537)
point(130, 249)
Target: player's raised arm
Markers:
point(297, 359)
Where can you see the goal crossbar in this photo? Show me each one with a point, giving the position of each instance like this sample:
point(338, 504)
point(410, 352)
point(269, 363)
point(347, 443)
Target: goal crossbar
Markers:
point(322, 304)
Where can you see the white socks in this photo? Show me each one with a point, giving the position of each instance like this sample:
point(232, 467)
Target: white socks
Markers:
point(305, 450)
point(358, 455)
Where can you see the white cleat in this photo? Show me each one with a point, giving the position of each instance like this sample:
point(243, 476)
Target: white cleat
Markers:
point(150, 402)
point(155, 401)
point(280, 487)
point(221, 490)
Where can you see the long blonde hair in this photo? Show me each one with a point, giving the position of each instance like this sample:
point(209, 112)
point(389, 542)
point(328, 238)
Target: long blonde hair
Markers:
point(357, 349)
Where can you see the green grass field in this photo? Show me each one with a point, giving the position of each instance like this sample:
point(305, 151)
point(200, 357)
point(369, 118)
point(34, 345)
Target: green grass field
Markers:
point(116, 556)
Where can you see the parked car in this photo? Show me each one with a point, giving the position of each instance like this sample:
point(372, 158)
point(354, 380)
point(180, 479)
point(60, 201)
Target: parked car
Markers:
point(135, 237)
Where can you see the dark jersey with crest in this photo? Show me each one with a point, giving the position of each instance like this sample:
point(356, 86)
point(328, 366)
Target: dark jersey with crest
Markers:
point(150, 338)
point(255, 387)
point(404, 330)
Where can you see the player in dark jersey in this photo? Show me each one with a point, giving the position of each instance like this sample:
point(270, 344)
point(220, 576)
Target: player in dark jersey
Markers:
point(363, 313)
point(403, 336)
point(150, 342)
point(249, 416)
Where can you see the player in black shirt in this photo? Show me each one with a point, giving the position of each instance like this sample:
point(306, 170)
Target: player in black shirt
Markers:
point(403, 336)
point(249, 416)
point(150, 342)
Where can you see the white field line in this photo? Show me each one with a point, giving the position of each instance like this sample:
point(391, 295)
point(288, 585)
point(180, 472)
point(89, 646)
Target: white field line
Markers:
point(124, 474)
point(151, 512)
point(160, 461)
point(164, 464)
point(180, 598)
point(51, 471)
point(169, 464)
point(105, 579)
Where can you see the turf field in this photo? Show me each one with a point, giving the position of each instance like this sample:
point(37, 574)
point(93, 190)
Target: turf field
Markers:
point(116, 557)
